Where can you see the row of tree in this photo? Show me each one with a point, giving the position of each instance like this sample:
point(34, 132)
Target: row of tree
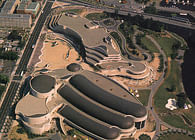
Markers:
point(8, 55)
point(4, 79)
point(151, 9)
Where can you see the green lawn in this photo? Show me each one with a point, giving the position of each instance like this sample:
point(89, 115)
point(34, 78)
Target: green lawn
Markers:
point(190, 114)
point(149, 44)
point(175, 137)
point(174, 120)
point(144, 96)
point(96, 16)
point(76, 11)
point(166, 44)
point(162, 95)
point(90, 1)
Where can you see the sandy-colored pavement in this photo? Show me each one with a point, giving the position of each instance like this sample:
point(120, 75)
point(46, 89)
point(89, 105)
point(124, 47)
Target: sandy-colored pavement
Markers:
point(58, 56)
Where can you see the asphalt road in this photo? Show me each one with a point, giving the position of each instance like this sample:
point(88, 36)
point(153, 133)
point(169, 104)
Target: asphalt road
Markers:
point(125, 11)
point(32, 40)
point(7, 104)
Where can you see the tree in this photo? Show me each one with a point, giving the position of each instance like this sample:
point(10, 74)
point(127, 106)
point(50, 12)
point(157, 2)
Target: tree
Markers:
point(14, 35)
point(174, 55)
point(4, 79)
point(176, 46)
point(2, 89)
point(181, 100)
point(144, 137)
point(150, 9)
point(172, 88)
point(9, 55)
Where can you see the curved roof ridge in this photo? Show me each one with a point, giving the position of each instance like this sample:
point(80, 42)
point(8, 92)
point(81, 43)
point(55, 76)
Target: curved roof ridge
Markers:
point(98, 94)
point(95, 109)
point(89, 123)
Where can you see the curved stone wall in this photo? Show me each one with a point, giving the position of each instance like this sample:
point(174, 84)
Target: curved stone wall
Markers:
point(38, 129)
point(41, 94)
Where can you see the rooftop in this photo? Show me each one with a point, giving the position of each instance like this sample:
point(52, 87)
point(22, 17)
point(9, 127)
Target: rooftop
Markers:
point(108, 93)
point(21, 6)
point(43, 83)
point(88, 123)
point(32, 6)
point(31, 106)
point(74, 67)
point(91, 38)
point(95, 109)
point(93, 103)
point(27, 16)
point(8, 6)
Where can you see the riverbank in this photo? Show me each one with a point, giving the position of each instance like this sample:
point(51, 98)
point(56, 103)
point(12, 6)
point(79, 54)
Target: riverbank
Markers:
point(188, 67)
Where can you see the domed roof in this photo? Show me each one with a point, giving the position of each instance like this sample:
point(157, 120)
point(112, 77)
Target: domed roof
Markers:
point(43, 83)
point(73, 67)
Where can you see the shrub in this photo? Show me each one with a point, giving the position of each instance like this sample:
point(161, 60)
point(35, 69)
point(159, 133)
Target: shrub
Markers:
point(144, 137)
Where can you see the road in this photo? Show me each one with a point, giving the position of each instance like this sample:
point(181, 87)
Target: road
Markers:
point(13, 88)
point(22, 67)
point(125, 11)
point(176, 10)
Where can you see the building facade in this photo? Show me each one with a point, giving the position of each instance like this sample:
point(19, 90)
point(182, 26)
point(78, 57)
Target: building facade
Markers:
point(15, 20)
point(87, 101)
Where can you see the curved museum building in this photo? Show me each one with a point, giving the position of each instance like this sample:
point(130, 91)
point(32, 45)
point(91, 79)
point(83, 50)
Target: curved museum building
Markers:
point(87, 101)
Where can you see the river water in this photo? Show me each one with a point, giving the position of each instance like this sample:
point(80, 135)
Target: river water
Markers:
point(188, 67)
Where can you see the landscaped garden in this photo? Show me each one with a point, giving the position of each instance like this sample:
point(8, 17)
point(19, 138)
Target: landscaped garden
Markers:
point(75, 11)
point(176, 121)
point(169, 44)
point(166, 44)
point(162, 94)
point(108, 22)
point(18, 132)
point(149, 44)
point(170, 89)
